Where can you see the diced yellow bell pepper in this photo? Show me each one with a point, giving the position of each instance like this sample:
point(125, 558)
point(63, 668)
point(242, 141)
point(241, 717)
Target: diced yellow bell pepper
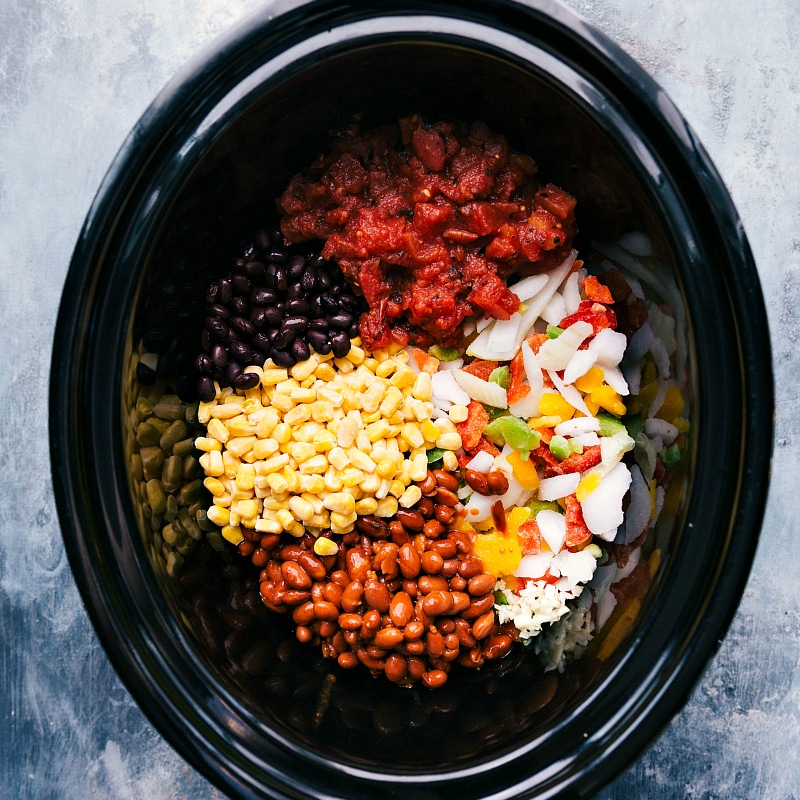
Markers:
point(515, 518)
point(524, 471)
point(500, 553)
point(590, 381)
point(608, 399)
point(673, 404)
point(552, 404)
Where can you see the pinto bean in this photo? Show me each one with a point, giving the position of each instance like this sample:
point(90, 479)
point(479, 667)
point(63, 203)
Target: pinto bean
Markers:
point(352, 596)
point(481, 584)
point(497, 646)
point(388, 638)
point(483, 625)
point(409, 561)
point(446, 479)
point(401, 609)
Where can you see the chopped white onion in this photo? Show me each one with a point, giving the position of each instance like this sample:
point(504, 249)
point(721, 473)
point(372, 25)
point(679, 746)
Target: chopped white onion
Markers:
point(555, 354)
point(609, 346)
point(577, 568)
point(589, 439)
point(572, 291)
point(527, 406)
point(553, 527)
point(637, 242)
point(529, 287)
point(445, 387)
point(615, 379)
point(660, 427)
point(534, 566)
point(559, 486)
point(577, 426)
point(481, 462)
point(602, 508)
point(555, 310)
point(579, 365)
point(492, 394)
point(637, 515)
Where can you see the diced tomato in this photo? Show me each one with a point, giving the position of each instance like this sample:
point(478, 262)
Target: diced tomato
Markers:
point(471, 429)
point(483, 218)
point(530, 538)
point(578, 535)
point(480, 368)
point(556, 201)
point(501, 248)
point(492, 295)
point(427, 216)
point(596, 291)
point(596, 314)
point(429, 148)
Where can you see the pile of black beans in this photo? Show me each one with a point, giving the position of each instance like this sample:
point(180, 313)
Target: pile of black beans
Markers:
point(274, 303)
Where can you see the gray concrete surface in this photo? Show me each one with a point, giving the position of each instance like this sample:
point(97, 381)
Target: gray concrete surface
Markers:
point(74, 77)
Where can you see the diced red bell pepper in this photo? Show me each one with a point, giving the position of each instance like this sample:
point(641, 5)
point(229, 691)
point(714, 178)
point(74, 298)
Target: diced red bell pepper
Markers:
point(577, 462)
point(480, 368)
point(596, 314)
point(516, 388)
point(530, 538)
point(596, 291)
point(578, 535)
point(471, 429)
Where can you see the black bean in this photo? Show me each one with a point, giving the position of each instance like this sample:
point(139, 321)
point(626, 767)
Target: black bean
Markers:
point(295, 322)
point(297, 305)
point(335, 289)
point(341, 321)
point(212, 293)
point(309, 279)
point(219, 356)
point(273, 315)
point(316, 308)
point(239, 306)
point(329, 303)
point(232, 372)
point(295, 267)
point(247, 380)
point(205, 340)
point(241, 284)
point(218, 310)
point(283, 359)
point(349, 303)
point(354, 330)
point(283, 338)
point(225, 291)
point(318, 324)
point(323, 278)
point(205, 389)
point(262, 342)
point(248, 251)
point(216, 327)
point(258, 317)
point(277, 256)
point(294, 291)
point(243, 326)
point(340, 342)
point(261, 296)
point(241, 352)
point(320, 341)
point(203, 363)
point(281, 281)
point(145, 375)
point(253, 269)
point(300, 349)
point(270, 274)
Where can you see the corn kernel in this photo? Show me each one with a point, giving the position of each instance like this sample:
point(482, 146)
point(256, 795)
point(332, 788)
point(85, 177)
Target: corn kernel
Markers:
point(338, 457)
point(361, 460)
point(218, 515)
point(377, 430)
point(458, 413)
point(342, 520)
point(302, 451)
point(263, 448)
point(247, 508)
point(302, 509)
point(245, 476)
point(285, 517)
point(386, 468)
point(317, 464)
point(386, 507)
point(273, 464)
point(292, 479)
point(313, 483)
point(304, 369)
point(268, 526)
point(370, 483)
point(392, 401)
point(216, 428)
point(340, 502)
point(373, 397)
point(413, 435)
point(240, 426)
point(332, 480)
point(215, 465)
point(366, 506)
point(385, 368)
point(351, 477)
point(430, 432)
point(226, 410)
point(232, 533)
point(215, 486)
point(423, 387)
point(207, 444)
point(419, 467)
point(410, 496)
point(282, 433)
point(277, 482)
point(449, 441)
point(324, 546)
point(449, 461)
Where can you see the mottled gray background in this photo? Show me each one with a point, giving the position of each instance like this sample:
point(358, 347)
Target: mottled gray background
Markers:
point(74, 77)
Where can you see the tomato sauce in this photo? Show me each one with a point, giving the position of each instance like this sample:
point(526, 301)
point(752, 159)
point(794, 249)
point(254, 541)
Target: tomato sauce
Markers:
point(428, 221)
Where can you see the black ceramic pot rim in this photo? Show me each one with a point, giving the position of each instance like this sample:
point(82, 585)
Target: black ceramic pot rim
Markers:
point(616, 727)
